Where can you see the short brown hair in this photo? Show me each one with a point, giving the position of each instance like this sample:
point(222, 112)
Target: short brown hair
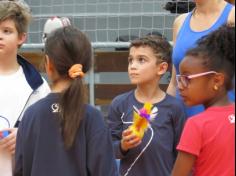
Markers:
point(17, 11)
point(160, 46)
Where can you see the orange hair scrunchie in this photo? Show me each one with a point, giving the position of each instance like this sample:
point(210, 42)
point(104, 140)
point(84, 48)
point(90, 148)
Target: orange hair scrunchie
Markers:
point(75, 71)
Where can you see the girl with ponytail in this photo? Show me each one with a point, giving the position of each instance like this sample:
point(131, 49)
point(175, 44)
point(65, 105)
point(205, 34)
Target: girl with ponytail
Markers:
point(62, 135)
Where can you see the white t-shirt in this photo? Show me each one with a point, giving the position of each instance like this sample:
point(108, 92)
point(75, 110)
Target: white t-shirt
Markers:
point(14, 93)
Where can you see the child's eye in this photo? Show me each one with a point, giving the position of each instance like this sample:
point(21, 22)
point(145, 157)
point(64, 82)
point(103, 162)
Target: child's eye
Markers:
point(141, 60)
point(130, 60)
point(7, 31)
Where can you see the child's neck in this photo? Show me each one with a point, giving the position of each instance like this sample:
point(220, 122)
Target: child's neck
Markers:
point(59, 86)
point(151, 94)
point(8, 65)
point(221, 100)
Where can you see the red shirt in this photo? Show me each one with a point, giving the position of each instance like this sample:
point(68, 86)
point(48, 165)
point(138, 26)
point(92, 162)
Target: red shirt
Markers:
point(211, 137)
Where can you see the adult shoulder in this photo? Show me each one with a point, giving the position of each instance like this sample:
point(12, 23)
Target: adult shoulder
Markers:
point(180, 19)
point(178, 22)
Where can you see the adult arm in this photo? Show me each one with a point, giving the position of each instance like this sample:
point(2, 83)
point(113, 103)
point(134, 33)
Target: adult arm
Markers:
point(171, 90)
point(176, 27)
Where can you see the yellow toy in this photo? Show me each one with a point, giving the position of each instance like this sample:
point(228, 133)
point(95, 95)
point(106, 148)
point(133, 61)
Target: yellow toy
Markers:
point(142, 119)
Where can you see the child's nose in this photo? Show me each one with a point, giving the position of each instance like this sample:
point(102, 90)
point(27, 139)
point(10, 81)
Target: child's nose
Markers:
point(135, 64)
point(180, 86)
point(1, 36)
point(132, 66)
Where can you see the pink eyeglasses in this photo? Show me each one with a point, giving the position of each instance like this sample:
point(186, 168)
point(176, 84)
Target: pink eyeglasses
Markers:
point(183, 80)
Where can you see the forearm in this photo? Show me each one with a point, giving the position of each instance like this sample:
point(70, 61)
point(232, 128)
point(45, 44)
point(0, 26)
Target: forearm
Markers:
point(171, 90)
point(184, 164)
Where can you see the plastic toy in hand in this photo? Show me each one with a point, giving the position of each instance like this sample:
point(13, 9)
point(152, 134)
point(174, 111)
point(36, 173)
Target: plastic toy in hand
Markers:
point(3, 134)
point(4, 123)
point(142, 118)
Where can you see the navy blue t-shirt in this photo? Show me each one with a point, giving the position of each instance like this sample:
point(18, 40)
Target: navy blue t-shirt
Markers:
point(159, 157)
point(40, 149)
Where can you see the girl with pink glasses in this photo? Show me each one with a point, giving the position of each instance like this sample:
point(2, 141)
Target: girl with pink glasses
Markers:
point(207, 143)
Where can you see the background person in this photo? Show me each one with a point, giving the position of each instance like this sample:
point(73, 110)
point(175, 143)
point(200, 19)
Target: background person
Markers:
point(20, 83)
point(208, 16)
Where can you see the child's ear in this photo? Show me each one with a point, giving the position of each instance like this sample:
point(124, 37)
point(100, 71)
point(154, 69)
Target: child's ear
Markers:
point(49, 67)
point(219, 80)
point(162, 68)
point(22, 38)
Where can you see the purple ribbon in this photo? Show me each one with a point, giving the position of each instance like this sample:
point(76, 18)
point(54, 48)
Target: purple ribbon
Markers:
point(143, 113)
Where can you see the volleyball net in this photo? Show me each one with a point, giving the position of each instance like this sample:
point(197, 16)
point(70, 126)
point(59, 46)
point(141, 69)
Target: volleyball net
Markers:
point(107, 23)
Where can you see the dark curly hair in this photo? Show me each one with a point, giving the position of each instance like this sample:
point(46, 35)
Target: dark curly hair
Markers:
point(218, 52)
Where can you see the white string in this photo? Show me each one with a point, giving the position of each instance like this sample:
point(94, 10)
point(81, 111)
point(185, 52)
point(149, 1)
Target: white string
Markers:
point(144, 149)
point(4, 123)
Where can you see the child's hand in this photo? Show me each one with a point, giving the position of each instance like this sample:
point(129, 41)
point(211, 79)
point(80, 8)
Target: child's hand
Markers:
point(129, 140)
point(9, 143)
